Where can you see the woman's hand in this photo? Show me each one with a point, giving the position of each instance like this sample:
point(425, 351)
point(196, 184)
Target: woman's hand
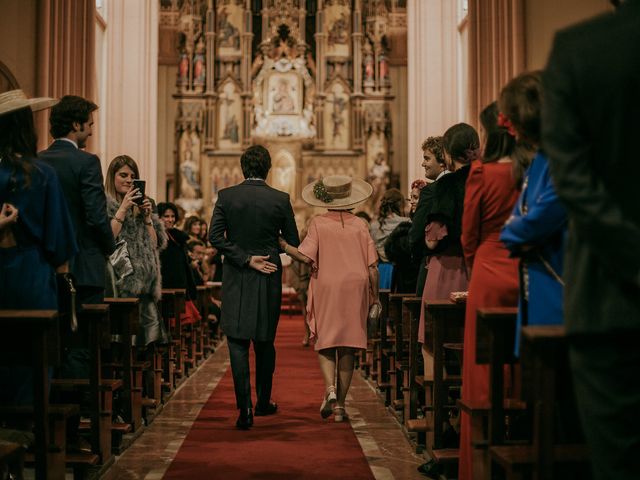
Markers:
point(283, 243)
point(146, 208)
point(129, 199)
point(8, 215)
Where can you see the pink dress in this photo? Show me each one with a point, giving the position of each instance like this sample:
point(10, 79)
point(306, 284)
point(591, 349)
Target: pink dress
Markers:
point(340, 245)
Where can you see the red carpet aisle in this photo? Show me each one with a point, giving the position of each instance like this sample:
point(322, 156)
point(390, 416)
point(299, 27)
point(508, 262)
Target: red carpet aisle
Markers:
point(293, 444)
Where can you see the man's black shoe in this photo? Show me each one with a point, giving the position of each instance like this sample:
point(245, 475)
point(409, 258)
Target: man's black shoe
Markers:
point(430, 469)
point(270, 409)
point(245, 419)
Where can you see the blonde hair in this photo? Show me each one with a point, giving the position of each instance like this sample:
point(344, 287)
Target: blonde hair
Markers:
point(116, 164)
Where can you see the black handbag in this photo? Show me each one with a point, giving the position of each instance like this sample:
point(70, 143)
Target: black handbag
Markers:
point(67, 298)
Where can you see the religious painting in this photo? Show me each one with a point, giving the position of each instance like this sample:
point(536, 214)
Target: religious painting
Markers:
point(338, 15)
point(378, 169)
point(224, 172)
point(189, 145)
point(230, 117)
point(336, 117)
point(284, 94)
point(229, 29)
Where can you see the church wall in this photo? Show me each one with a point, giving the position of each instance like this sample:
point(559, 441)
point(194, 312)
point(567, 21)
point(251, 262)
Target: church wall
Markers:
point(399, 120)
point(545, 17)
point(18, 41)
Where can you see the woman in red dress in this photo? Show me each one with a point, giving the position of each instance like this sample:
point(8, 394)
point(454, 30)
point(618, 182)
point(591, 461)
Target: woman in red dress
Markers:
point(489, 198)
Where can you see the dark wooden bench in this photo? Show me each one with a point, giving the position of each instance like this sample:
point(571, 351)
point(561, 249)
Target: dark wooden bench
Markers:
point(544, 366)
point(31, 338)
point(11, 460)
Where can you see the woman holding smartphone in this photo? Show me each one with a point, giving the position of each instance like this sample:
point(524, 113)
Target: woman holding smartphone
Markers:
point(133, 219)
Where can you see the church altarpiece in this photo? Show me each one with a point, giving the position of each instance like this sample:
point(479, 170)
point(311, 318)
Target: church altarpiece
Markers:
point(309, 79)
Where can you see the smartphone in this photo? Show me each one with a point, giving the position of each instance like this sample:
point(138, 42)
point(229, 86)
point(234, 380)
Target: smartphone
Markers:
point(140, 185)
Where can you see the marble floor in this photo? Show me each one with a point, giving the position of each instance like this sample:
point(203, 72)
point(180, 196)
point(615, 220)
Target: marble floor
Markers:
point(388, 451)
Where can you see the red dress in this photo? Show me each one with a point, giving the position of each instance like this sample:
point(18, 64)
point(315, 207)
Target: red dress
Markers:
point(490, 195)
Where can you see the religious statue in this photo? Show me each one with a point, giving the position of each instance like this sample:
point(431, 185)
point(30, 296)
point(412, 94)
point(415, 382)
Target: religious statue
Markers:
point(183, 69)
point(189, 184)
point(231, 130)
point(379, 179)
point(368, 62)
point(199, 73)
point(384, 68)
point(339, 105)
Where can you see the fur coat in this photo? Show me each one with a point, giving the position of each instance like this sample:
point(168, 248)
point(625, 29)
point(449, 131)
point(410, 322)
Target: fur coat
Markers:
point(145, 257)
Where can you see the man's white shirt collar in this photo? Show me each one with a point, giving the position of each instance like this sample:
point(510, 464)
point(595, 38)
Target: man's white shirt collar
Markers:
point(65, 139)
point(442, 174)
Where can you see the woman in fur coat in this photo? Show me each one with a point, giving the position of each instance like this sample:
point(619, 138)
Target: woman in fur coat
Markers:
point(133, 219)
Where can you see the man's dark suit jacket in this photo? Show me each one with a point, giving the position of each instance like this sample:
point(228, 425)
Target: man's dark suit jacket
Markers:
point(81, 177)
point(247, 220)
point(591, 131)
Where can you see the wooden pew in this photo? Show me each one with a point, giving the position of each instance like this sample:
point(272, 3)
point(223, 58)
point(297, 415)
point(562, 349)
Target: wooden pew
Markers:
point(544, 357)
point(168, 353)
point(94, 333)
point(11, 460)
point(384, 348)
point(399, 360)
point(495, 335)
point(412, 370)
point(124, 315)
point(31, 338)
point(444, 323)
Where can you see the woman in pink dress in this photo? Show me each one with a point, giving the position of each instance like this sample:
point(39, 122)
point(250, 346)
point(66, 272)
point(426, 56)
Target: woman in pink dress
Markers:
point(344, 284)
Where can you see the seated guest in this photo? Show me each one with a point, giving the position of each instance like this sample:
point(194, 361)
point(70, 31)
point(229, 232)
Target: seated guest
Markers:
point(398, 250)
point(192, 227)
point(536, 230)
point(490, 195)
point(196, 251)
point(36, 234)
point(133, 220)
point(390, 215)
point(204, 232)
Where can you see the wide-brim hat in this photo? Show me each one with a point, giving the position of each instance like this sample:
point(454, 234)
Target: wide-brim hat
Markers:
point(336, 192)
point(16, 99)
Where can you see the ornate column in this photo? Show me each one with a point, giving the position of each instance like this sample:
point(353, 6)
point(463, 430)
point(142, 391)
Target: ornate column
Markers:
point(210, 137)
point(132, 82)
point(432, 75)
point(321, 76)
point(357, 37)
point(245, 75)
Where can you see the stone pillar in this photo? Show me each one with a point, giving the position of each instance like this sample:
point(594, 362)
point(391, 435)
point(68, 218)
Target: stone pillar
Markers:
point(321, 77)
point(432, 75)
point(132, 82)
point(211, 112)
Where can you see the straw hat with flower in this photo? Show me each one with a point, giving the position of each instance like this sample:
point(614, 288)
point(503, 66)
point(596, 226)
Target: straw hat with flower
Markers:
point(337, 192)
point(16, 99)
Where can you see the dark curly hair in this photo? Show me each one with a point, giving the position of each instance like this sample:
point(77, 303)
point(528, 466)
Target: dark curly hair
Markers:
point(461, 141)
point(70, 109)
point(392, 202)
point(188, 223)
point(255, 162)
point(436, 146)
point(164, 206)
point(18, 143)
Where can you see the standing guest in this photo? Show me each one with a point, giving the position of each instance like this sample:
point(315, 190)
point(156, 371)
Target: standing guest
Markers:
point(246, 223)
point(80, 175)
point(589, 130)
point(390, 215)
point(398, 249)
point(133, 220)
point(490, 195)
point(536, 230)
point(174, 262)
point(192, 227)
point(36, 233)
point(435, 167)
point(345, 285)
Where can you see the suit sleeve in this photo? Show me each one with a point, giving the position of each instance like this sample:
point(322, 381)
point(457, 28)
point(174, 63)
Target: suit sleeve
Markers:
point(419, 221)
point(95, 204)
point(289, 229)
point(596, 216)
point(218, 238)
point(545, 216)
point(472, 213)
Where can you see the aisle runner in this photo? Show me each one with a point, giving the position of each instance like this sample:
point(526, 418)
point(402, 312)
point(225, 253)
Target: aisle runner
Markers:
point(293, 444)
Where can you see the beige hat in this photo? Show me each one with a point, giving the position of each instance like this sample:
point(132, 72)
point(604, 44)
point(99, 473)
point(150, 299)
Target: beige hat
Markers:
point(16, 99)
point(336, 192)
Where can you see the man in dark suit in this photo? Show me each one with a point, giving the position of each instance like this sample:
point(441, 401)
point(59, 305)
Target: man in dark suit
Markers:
point(590, 131)
point(80, 174)
point(245, 226)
